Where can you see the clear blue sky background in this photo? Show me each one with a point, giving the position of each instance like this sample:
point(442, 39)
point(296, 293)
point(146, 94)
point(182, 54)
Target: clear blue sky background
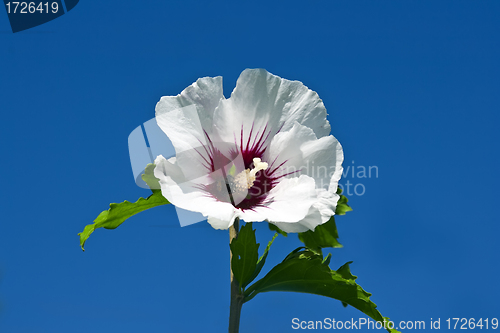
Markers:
point(411, 87)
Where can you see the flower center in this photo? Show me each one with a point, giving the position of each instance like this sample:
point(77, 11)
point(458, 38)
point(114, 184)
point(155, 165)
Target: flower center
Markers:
point(238, 185)
point(246, 189)
point(246, 178)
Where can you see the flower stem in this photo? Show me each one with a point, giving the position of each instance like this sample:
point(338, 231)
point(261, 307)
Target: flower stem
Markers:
point(236, 296)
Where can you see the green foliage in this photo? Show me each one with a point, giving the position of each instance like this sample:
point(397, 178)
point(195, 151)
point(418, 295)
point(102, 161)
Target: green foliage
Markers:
point(307, 272)
point(324, 235)
point(303, 270)
point(245, 252)
point(119, 212)
point(150, 179)
point(342, 206)
point(245, 263)
point(261, 261)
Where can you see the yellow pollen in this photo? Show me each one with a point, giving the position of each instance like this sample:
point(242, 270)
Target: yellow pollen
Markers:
point(246, 178)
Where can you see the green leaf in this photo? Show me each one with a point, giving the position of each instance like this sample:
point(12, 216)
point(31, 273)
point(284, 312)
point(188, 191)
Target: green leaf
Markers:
point(261, 261)
point(150, 179)
point(119, 212)
point(327, 259)
point(342, 206)
point(273, 227)
point(307, 272)
point(245, 252)
point(324, 235)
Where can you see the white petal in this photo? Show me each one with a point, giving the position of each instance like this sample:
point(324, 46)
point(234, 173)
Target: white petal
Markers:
point(320, 159)
point(290, 227)
point(326, 203)
point(260, 106)
point(188, 195)
point(221, 224)
point(186, 117)
point(313, 218)
point(289, 201)
point(263, 102)
point(298, 151)
point(205, 94)
point(319, 213)
point(168, 167)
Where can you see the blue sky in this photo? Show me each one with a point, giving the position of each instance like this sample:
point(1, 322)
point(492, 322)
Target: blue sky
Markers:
point(411, 87)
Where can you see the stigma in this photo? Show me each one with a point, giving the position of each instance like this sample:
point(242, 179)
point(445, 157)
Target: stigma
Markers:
point(246, 178)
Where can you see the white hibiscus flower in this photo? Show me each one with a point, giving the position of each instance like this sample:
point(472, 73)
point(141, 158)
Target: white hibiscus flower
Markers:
point(264, 154)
